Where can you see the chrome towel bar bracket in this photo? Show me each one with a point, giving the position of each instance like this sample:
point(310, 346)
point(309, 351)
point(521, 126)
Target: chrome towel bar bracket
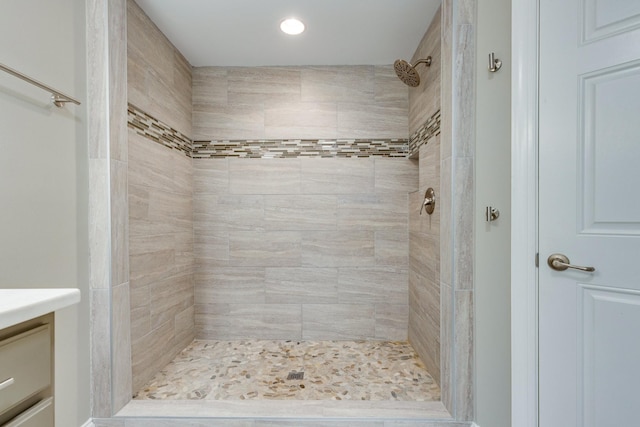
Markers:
point(58, 98)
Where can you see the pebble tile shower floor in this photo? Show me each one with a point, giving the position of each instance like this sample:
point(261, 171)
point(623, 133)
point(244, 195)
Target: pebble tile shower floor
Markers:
point(258, 369)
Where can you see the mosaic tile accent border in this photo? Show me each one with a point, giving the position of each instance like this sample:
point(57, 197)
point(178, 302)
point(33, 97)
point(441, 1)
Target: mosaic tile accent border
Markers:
point(155, 130)
point(290, 148)
point(428, 130)
point(151, 128)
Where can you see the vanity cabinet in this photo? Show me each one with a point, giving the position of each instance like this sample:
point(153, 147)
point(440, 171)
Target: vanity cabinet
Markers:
point(26, 374)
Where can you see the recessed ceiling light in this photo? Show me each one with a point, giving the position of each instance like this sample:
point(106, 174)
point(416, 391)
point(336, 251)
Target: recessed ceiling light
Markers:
point(292, 26)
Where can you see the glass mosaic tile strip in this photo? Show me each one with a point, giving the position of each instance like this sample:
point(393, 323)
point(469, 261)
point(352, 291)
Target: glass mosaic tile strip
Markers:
point(427, 131)
point(266, 148)
point(155, 130)
point(151, 128)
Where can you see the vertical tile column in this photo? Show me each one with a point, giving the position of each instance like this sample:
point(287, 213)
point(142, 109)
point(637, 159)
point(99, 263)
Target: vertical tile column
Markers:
point(457, 201)
point(108, 240)
point(118, 153)
point(424, 230)
point(160, 186)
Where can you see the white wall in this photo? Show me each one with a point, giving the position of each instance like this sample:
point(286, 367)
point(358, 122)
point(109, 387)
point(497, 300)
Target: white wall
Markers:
point(492, 250)
point(43, 175)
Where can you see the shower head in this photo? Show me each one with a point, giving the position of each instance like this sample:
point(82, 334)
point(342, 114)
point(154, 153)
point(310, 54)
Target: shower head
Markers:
point(407, 72)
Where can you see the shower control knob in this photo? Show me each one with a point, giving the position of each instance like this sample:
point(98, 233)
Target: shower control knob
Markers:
point(429, 203)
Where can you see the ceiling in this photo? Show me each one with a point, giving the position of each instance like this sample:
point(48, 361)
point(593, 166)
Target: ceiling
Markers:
point(246, 32)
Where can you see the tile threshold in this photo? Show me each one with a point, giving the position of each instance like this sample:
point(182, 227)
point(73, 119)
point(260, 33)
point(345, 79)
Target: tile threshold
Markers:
point(286, 409)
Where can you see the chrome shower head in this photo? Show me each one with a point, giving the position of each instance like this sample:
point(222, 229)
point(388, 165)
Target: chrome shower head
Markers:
point(407, 72)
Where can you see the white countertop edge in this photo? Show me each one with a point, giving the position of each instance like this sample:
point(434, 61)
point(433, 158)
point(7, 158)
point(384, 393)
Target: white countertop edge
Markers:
point(19, 305)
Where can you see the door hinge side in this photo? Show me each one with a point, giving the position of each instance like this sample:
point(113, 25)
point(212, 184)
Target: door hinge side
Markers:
point(537, 259)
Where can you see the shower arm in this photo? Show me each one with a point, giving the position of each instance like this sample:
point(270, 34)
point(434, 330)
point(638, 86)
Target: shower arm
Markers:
point(424, 61)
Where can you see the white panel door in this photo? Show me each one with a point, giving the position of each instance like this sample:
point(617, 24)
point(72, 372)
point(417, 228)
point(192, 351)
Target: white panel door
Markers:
point(589, 210)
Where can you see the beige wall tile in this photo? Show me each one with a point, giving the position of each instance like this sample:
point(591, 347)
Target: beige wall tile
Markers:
point(150, 164)
point(182, 173)
point(424, 100)
point(228, 285)
point(374, 285)
point(264, 176)
point(392, 322)
point(139, 298)
point(101, 364)
point(121, 342)
point(337, 176)
point(318, 84)
point(378, 120)
point(243, 321)
point(149, 354)
point(447, 375)
point(185, 327)
point(463, 202)
point(147, 268)
point(99, 220)
point(294, 238)
point(160, 186)
point(300, 212)
point(446, 226)
point(338, 83)
point(249, 85)
point(424, 321)
point(119, 224)
point(300, 120)
point(388, 86)
point(117, 92)
point(169, 297)
point(338, 321)
point(422, 255)
point(424, 230)
point(264, 248)
point(301, 285)
point(260, 202)
point(140, 244)
point(429, 162)
point(463, 348)
point(355, 83)
point(184, 244)
point(382, 211)
point(210, 86)
point(158, 76)
point(396, 175)
point(140, 321)
point(298, 102)
point(228, 212)
point(211, 248)
point(210, 176)
point(227, 122)
point(391, 248)
point(338, 248)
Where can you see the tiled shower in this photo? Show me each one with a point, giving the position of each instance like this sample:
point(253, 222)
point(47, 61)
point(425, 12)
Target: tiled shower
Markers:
point(279, 202)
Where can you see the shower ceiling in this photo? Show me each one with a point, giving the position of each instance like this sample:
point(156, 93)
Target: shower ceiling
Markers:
point(246, 32)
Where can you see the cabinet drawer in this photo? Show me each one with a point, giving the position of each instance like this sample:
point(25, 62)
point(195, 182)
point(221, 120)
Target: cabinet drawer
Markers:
point(39, 415)
point(25, 366)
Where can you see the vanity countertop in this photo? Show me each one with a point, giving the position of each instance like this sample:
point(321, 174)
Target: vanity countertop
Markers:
point(19, 305)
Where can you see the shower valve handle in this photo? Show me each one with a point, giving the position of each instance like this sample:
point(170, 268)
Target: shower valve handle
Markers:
point(429, 203)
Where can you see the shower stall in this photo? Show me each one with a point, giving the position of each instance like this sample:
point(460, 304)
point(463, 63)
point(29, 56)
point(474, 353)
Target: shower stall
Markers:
point(275, 248)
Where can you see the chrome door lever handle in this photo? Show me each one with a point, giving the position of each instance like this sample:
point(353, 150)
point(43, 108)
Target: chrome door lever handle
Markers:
point(560, 262)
